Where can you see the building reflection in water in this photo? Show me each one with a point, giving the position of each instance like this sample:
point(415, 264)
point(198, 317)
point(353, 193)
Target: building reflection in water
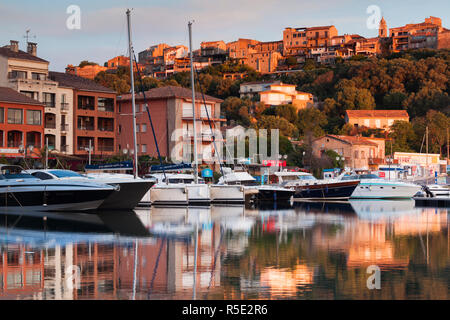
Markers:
point(309, 251)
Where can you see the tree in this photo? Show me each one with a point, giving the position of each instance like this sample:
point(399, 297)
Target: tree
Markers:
point(286, 128)
point(403, 137)
point(232, 107)
point(287, 111)
point(311, 120)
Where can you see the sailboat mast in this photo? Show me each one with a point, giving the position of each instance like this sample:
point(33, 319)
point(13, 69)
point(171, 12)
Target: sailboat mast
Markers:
point(133, 102)
point(193, 103)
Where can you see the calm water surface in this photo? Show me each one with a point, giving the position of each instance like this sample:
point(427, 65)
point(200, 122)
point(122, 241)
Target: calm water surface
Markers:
point(309, 251)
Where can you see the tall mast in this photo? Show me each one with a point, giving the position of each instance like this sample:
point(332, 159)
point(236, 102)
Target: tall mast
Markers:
point(133, 102)
point(193, 103)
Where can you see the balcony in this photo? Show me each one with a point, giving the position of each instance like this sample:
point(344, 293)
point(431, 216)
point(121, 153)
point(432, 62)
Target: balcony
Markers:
point(90, 128)
point(50, 125)
point(49, 104)
point(64, 106)
point(106, 148)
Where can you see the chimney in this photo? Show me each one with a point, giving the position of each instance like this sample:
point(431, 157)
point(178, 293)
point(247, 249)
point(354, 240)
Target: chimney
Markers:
point(14, 45)
point(32, 48)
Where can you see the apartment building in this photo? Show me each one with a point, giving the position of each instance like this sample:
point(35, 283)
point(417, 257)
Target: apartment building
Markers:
point(122, 61)
point(358, 152)
point(296, 40)
point(428, 34)
point(375, 119)
point(93, 116)
point(28, 74)
point(240, 49)
point(264, 62)
point(152, 52)
point(21, 124)
point(172, 117)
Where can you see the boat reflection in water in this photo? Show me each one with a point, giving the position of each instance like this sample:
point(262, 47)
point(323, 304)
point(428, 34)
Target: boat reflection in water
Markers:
point(307, 251)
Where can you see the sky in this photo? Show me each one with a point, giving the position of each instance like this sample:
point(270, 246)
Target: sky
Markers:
point(103, 32)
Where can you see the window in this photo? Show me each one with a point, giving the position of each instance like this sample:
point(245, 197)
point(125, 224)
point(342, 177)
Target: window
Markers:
point(15, 116)
point(137, 127)
point(34, 117)
point(356, 154)
point(49, 99)
point(106, 104)
point(14, 74)
point(144, 127)
point(377, 123)
point(38, 76)
point(366, 122)
point(144, 148)
point(2, 115)
point(390, 122)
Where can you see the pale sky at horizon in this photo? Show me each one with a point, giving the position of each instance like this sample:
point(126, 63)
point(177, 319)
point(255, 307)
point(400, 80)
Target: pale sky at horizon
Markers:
point(103, 23)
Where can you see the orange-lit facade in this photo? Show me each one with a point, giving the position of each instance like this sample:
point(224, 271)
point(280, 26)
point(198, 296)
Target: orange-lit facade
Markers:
point(21, 125)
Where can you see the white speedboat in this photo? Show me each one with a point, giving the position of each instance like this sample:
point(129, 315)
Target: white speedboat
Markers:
point(130, 190)
point(373, 187)
point(19, 189)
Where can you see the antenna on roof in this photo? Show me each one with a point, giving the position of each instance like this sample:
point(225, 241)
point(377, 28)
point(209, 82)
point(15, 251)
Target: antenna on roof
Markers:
point(28, 36)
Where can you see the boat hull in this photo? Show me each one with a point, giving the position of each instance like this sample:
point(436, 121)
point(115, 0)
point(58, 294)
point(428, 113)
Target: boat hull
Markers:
point(227, 194)
point(54, 200)
point(384, 191)
point(326, 191)
point(198, 194)
point(128, 196)
point(275, 195)
point(169, 195)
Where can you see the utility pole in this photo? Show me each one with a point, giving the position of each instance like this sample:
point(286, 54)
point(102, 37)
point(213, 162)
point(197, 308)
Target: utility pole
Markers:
point(90, 150)
point(46, 153)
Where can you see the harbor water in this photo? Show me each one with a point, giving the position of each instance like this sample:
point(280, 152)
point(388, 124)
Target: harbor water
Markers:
point(304, 251)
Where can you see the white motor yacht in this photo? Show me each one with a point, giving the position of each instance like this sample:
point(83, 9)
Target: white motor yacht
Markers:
point(178, 189)
point(19, 189)
point(373, 187)
point(130, 190)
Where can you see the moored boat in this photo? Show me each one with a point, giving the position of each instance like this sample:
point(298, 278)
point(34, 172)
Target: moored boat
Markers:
point(20, 189)
point(373, 187)
point(307, 187)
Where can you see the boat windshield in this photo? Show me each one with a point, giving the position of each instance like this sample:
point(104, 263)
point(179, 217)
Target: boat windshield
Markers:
point(13, 173)
point(350, 177)
point(66, 174)
point(368, 176)
point(306, 177)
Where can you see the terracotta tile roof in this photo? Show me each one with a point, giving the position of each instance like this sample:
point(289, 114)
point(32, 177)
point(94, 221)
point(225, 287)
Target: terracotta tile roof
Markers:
point(22, 55)
point(352, 140)
point(12, 96)
point(169, 92)
point(76, 82)
point(377, 113)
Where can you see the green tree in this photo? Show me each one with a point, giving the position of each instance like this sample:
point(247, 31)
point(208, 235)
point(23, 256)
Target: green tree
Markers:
point(286, 128)
point(287, 111)
point(311, 120)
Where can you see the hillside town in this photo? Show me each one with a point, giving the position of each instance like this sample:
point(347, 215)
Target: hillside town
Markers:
point(322, 90)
